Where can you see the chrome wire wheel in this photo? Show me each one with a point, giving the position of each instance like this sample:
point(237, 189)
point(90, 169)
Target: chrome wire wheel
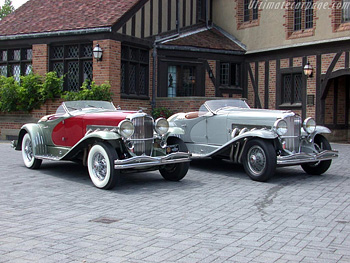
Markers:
point(99, 167)
point(256, 160)
point(28, 150)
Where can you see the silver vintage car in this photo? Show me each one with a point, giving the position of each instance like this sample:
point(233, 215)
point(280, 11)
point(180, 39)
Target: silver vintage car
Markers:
point(259, 139)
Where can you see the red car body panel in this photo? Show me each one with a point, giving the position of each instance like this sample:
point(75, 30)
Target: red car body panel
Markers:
point(70, 131)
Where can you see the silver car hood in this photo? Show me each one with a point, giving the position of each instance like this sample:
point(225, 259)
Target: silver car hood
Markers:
point(255, 117)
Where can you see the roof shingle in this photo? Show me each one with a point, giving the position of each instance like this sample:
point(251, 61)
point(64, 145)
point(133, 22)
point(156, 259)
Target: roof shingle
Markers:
point(207, 38)
point(38, 16)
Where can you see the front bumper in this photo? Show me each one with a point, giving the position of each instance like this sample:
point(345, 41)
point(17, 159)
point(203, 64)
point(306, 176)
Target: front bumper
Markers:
point(144, 161)
point(300, 158)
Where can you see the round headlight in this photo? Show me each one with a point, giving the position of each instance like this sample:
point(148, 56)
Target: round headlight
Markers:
point(161, 126)
point(126, 128)
point(309, 125)
point(280, 127)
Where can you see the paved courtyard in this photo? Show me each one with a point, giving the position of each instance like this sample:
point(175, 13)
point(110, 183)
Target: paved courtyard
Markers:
point(216, 214)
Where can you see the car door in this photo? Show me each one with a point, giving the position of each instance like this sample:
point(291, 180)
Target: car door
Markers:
point(216, 129)
point(68, 132)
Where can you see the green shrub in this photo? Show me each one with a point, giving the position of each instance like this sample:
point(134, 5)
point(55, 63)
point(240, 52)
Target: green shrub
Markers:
point(161, 112)
point(30, 93)
point(90, 91)
point(52, 87)
point(9, 94)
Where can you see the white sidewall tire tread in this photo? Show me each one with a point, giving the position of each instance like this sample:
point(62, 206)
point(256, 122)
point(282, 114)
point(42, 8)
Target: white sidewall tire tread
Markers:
point(96, 181)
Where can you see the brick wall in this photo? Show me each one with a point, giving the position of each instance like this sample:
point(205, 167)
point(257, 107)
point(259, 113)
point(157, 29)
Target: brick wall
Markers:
point(108, 69)
point(40, 61)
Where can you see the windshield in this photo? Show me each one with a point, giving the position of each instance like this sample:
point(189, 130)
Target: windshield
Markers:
point(215, 105)
point(87, 104)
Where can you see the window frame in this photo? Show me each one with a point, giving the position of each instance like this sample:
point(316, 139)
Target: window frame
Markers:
point(163, 65)
point(343, 21)
point(292, 103)
point(250, 14)
point(300, 18)
point(230, 84)
point(338, 22)
point(23, 61)
point(180, 78)
point(126, 63)
point(66, 59)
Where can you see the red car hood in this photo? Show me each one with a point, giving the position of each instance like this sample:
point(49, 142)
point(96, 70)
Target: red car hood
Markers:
point(110, 118)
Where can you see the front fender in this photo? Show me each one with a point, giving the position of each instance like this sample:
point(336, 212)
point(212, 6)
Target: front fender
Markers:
point(322, 129)
point(90, 138)
point(174, 131)
point(262, 133)
point(319, 130)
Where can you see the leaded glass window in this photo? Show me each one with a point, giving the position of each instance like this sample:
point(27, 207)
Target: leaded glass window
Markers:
point(74, 62)
point(15, 62)
point(3, 71)
point(134, 72)
point(292, 88)
point(73, 76)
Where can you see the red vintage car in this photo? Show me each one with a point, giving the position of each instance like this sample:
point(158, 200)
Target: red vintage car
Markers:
point(107, 140)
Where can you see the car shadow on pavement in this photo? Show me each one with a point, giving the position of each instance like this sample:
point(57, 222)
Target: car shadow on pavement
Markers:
point(128, 182)
point(283, 175)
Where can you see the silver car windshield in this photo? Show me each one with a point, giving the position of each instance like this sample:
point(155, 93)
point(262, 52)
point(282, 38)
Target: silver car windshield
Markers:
point(216, 105)
point(80, 105)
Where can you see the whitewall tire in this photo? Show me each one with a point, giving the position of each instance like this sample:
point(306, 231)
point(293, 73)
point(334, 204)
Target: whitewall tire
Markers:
point(101, 165)
point(28, 154)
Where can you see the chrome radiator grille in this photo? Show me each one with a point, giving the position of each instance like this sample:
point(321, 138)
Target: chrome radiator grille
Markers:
point(292, 136)
point(143, 135)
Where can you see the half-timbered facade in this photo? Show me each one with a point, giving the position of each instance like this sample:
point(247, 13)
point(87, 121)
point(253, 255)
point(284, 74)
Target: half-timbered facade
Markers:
point(179, 53)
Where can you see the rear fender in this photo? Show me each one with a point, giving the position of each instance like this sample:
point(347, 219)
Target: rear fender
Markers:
point(36, 135)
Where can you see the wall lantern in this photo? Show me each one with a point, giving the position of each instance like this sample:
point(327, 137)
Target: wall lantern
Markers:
point(308, 69)
point(97, 52)
point(211, 75)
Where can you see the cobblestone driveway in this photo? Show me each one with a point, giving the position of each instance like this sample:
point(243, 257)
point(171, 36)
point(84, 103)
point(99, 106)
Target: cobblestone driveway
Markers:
point(216, 214)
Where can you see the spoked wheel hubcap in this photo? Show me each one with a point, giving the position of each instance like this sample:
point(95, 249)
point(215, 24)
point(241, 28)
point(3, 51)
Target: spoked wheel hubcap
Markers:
point(28, 150)
point(99, 166)
point(256, 160)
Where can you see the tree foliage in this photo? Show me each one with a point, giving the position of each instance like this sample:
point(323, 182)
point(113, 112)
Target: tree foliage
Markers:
point(6, 9)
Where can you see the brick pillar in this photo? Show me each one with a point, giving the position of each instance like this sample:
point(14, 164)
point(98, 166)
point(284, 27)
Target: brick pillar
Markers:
point(40, 59)
point(108, 69)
